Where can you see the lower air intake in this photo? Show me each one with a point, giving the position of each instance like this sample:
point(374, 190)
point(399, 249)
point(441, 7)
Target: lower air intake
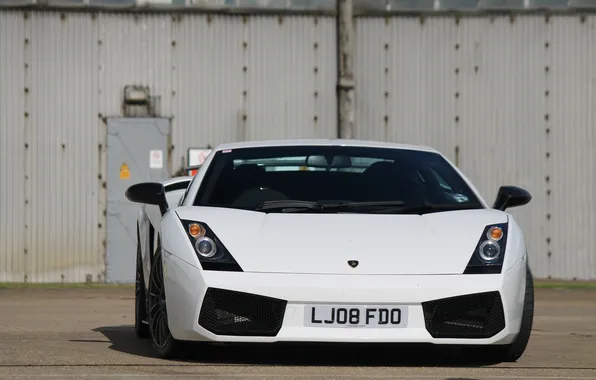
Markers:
point(471, 316)
point(227, 312)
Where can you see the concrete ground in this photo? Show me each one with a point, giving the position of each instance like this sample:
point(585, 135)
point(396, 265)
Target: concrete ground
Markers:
point(87, 333)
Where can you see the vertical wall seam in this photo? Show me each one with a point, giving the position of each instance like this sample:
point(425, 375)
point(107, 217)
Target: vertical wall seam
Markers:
point(457, 103)
point(244, 124)
point(174, 28)
point(316, 77)
point(387, 61)
point(102, 137)
point(27, 134)
point(547, 131)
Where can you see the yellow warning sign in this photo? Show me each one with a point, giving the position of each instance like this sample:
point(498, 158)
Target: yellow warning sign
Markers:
point(124, 172)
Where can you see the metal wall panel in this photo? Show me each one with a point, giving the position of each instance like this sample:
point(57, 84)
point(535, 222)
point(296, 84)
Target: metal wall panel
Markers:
point(404, 81)
point(480, 87)
point(221, 78)
point(12, 147)
point(500, 112)
point(62, 160)
point(291, 94)
point(207, 81)
point(571, 80)
point(252, 78)
point(134, 49)
point(502, 117)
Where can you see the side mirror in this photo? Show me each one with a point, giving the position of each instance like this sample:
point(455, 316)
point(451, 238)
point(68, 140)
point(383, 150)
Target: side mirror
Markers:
point(152, 193)
point(511, 196)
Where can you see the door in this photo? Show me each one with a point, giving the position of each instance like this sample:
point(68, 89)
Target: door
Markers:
point(136, 152)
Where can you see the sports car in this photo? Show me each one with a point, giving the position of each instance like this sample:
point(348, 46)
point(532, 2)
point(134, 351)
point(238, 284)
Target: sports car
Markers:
point(340, 241)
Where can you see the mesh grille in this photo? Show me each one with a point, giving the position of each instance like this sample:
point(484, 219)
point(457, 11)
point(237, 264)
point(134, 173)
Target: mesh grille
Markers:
point(470, 316)
point(227, 312)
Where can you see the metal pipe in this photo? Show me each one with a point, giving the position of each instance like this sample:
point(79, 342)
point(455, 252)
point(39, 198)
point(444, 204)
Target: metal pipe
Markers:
point(345, 84)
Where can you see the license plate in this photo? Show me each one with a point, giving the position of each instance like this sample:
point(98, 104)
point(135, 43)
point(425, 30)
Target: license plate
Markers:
point(356, 316)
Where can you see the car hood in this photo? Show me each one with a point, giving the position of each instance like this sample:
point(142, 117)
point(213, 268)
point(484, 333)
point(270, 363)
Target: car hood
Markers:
point(434, 243)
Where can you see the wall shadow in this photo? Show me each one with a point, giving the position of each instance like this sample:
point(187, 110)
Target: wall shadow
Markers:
point(123, 339)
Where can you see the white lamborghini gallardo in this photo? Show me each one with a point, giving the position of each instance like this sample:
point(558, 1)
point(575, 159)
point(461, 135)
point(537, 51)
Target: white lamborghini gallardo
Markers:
point(331, 241)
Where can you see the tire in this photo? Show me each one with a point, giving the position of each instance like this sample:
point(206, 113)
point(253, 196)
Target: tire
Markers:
point(163, 342)
point(512, 352)
point(141, 325)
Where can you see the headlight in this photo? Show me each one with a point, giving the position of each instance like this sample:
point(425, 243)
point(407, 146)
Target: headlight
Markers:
point(489, 253)
point(212, 253)
point(206, 247)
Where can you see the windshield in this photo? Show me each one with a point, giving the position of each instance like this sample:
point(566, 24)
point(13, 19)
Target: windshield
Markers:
point(249, 178)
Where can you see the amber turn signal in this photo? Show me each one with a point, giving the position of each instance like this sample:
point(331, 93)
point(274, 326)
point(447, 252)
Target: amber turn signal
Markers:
point(196, 230)
point(495, 233)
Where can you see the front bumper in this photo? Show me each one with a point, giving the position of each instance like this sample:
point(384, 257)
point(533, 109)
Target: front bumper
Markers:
point(277, 303)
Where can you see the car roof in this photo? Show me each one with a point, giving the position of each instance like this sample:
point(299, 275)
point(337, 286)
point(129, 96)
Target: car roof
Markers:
point(322, 142)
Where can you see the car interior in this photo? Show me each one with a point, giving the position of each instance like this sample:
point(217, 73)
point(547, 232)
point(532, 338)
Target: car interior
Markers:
point(249, 184)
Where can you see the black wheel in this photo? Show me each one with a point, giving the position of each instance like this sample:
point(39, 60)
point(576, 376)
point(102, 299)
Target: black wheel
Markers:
point(512, 352)
point(141, 325)
point(163, 341)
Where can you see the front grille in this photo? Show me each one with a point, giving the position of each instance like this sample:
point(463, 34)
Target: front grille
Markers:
point(227, 312)
point(471, 316)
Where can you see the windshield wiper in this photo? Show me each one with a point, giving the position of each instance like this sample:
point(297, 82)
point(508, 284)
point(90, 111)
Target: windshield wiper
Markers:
point(287, 206)
point(372, 207)
point(382, 205)
point(398, 207)
point(438, 207)
point(298, 206)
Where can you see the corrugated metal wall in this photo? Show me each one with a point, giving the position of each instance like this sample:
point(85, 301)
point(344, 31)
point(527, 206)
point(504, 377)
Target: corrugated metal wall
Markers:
point(253, 78)
point(222, 78)
point(61, 135)
point(12, 148)
point(510, 100)
point(478, 89)
point(571, 106)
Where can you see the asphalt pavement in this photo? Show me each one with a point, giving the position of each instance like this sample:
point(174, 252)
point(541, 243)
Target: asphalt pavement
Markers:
point(88, 334)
